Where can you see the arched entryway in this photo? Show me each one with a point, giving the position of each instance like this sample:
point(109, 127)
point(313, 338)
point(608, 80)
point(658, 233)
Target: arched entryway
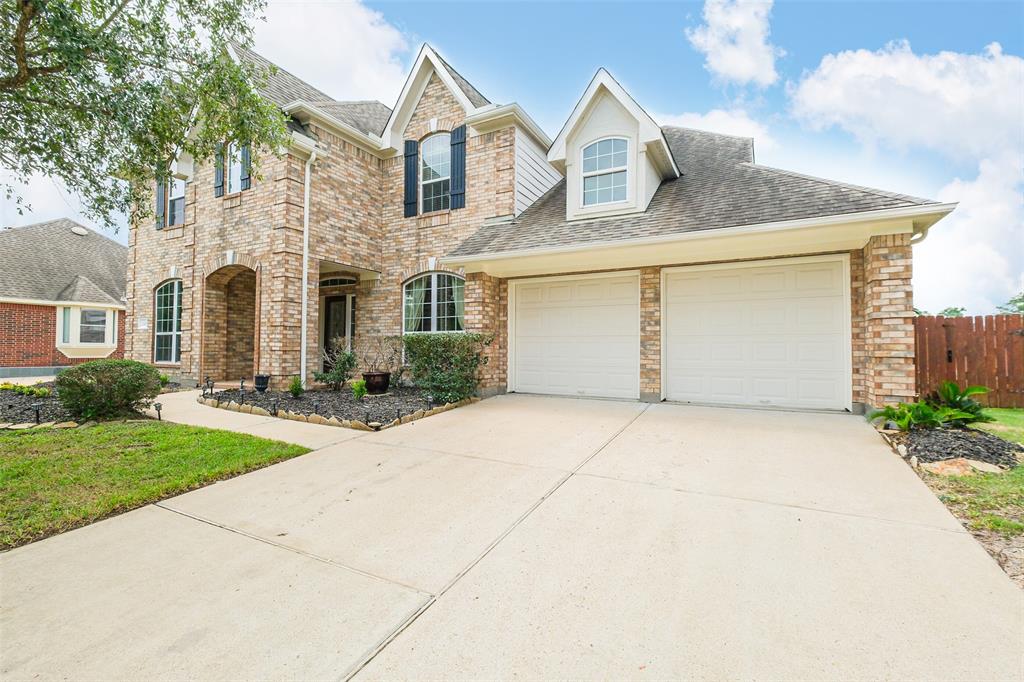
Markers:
point(229, 323)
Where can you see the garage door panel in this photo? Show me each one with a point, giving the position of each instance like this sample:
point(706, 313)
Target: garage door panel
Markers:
point(578, 337)
point(760, 335)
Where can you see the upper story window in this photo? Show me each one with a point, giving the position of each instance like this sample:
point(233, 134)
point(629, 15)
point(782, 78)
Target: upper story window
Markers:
point(167, 322)
point(604, 171)
point(435, 173)
point(176, 202)
point(234, 168)
point(434, 302)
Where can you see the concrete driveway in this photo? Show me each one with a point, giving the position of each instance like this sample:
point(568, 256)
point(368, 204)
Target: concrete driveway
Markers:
point(531, 537)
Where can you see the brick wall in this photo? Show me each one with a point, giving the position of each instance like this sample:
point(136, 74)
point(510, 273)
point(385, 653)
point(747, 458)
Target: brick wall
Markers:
point(30, 337)
point(888, 321)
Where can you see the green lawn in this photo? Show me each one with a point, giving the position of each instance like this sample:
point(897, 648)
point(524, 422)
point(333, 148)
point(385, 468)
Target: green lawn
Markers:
point(53, 480)
point(992, 502)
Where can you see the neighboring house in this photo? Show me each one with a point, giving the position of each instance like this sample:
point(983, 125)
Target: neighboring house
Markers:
point(622, 259)
point(61, 297)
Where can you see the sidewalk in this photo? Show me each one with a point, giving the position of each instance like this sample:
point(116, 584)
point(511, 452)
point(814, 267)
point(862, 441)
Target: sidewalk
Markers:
point(182, 408)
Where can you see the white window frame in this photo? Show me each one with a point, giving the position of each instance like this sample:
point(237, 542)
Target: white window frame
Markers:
point(176, 315)
point(232, 161)
point(422, 182)
point(173, 184)
point(433, 303)
point(604, 171)
point(69, 334)
point(106, 326)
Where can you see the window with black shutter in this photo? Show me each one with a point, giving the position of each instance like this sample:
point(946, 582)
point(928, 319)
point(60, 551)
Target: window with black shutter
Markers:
point(411, 163)
point(458, 168)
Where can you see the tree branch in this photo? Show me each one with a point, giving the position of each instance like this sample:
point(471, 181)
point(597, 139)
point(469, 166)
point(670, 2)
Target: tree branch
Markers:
point(28, 11)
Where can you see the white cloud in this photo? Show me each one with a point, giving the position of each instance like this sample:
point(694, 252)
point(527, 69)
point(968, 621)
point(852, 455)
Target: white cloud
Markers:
point(734, 41)
point(347, 50)
point(975, 257)
point(962, 105)
point(966, 107)
point(726, 121)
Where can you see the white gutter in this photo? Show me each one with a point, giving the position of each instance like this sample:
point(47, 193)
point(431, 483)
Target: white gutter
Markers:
point(939, 210)
point(305, 266)
point(515, 112)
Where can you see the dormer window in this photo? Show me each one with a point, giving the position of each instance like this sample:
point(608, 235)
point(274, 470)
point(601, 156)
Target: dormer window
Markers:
point(604, 171)
point(435, 173)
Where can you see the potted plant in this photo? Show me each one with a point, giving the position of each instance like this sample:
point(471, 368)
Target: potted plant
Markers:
point(262, 382)
point(381, 355)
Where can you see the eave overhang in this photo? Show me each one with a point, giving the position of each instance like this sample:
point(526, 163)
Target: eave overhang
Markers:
point(823, 234)
point(496, 117)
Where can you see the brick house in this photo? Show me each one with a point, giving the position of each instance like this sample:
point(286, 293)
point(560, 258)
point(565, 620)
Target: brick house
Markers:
point(61, 297)
point(621, 259)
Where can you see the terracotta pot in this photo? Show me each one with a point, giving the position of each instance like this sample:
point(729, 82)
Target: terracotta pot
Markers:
point(377, 382)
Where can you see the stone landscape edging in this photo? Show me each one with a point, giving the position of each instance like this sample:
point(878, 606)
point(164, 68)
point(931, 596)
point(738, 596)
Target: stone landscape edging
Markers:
point(355, 424)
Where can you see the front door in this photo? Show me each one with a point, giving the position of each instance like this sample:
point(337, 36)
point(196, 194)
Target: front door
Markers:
point(338, 323)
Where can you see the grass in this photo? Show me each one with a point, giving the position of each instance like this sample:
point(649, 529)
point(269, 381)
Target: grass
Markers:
point(993, 502)
point(54, 480)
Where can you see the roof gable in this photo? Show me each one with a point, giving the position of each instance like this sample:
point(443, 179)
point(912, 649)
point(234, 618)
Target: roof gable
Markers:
point(55, 263)
point(428, 63)
point(603, 84)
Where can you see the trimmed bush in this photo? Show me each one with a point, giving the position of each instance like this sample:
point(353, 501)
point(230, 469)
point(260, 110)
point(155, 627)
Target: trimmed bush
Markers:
point(296, 388)
point(445, 365)
point(103, 389)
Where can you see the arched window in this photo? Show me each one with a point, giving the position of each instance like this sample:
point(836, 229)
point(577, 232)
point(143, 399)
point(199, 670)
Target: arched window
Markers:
point(167, 322)
point(435, 173)
point(434, 302)
point(604, 171)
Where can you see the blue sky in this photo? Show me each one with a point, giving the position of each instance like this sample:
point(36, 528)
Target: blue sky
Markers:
point(913, 97)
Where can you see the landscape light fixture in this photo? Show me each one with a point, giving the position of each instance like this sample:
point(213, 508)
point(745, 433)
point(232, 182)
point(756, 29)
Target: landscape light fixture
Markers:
point(37, 407)
point(158, 407)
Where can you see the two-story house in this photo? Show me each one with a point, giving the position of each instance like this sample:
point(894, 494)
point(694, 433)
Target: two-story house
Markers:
point(622, 259)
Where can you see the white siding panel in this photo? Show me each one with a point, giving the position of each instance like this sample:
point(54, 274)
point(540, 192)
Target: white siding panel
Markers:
point(534, 175)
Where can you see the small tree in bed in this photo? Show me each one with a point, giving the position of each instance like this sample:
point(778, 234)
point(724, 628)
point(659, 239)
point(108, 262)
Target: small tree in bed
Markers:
point(341, 363)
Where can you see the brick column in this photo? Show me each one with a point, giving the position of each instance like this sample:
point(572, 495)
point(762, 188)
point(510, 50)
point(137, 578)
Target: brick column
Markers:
point(484, 314)
point(650, 335)
point(888, 321)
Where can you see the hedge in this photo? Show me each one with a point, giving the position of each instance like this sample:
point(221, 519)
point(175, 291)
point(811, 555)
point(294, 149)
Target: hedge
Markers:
point(445, 364)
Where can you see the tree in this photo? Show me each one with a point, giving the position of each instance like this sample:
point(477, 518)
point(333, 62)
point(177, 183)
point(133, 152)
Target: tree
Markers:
point(1014, 306)
point(952, 311)
point(105, 94)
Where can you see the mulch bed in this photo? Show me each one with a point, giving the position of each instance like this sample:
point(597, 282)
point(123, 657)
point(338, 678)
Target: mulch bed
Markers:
point(341, 404)
point(17, 408)
point(936, 445)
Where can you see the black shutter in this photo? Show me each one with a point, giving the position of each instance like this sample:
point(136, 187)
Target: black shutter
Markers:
point(458, 168)
point(218, 172)
point(161, 202)
point(245, 182)
point(411, 161)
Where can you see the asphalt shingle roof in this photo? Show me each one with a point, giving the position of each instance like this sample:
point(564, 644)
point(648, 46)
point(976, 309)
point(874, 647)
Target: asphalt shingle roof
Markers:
point(721, 186)
point(467, 88)
point(283, 88)
point(49, 262)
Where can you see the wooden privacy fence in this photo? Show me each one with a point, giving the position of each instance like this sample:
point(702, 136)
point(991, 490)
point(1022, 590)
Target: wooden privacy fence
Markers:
point(985, 351)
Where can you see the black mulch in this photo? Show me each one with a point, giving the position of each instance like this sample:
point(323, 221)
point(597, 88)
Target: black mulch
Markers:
point(340, 404)
point(935, 445)
point(17, 408)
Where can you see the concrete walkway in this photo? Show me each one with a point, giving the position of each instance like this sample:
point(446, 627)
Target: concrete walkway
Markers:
point(530, 537)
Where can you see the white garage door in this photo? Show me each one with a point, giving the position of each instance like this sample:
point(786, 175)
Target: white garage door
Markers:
point(774, 333)
point(577, 336)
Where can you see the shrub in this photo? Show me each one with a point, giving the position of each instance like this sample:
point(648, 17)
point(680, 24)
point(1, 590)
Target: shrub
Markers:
point(949, 395)
point(445, 365)
point(921, 415)
point(358, 389)
point(341, 362)
point(164, 380)
point(102, 389)
point(34, 391)
point(296, 388)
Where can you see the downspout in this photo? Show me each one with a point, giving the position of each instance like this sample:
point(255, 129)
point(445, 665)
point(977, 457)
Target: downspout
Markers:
point(305, 266)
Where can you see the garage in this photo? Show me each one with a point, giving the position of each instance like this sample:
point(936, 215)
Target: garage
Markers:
point(576, 335)
point(770, 333)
